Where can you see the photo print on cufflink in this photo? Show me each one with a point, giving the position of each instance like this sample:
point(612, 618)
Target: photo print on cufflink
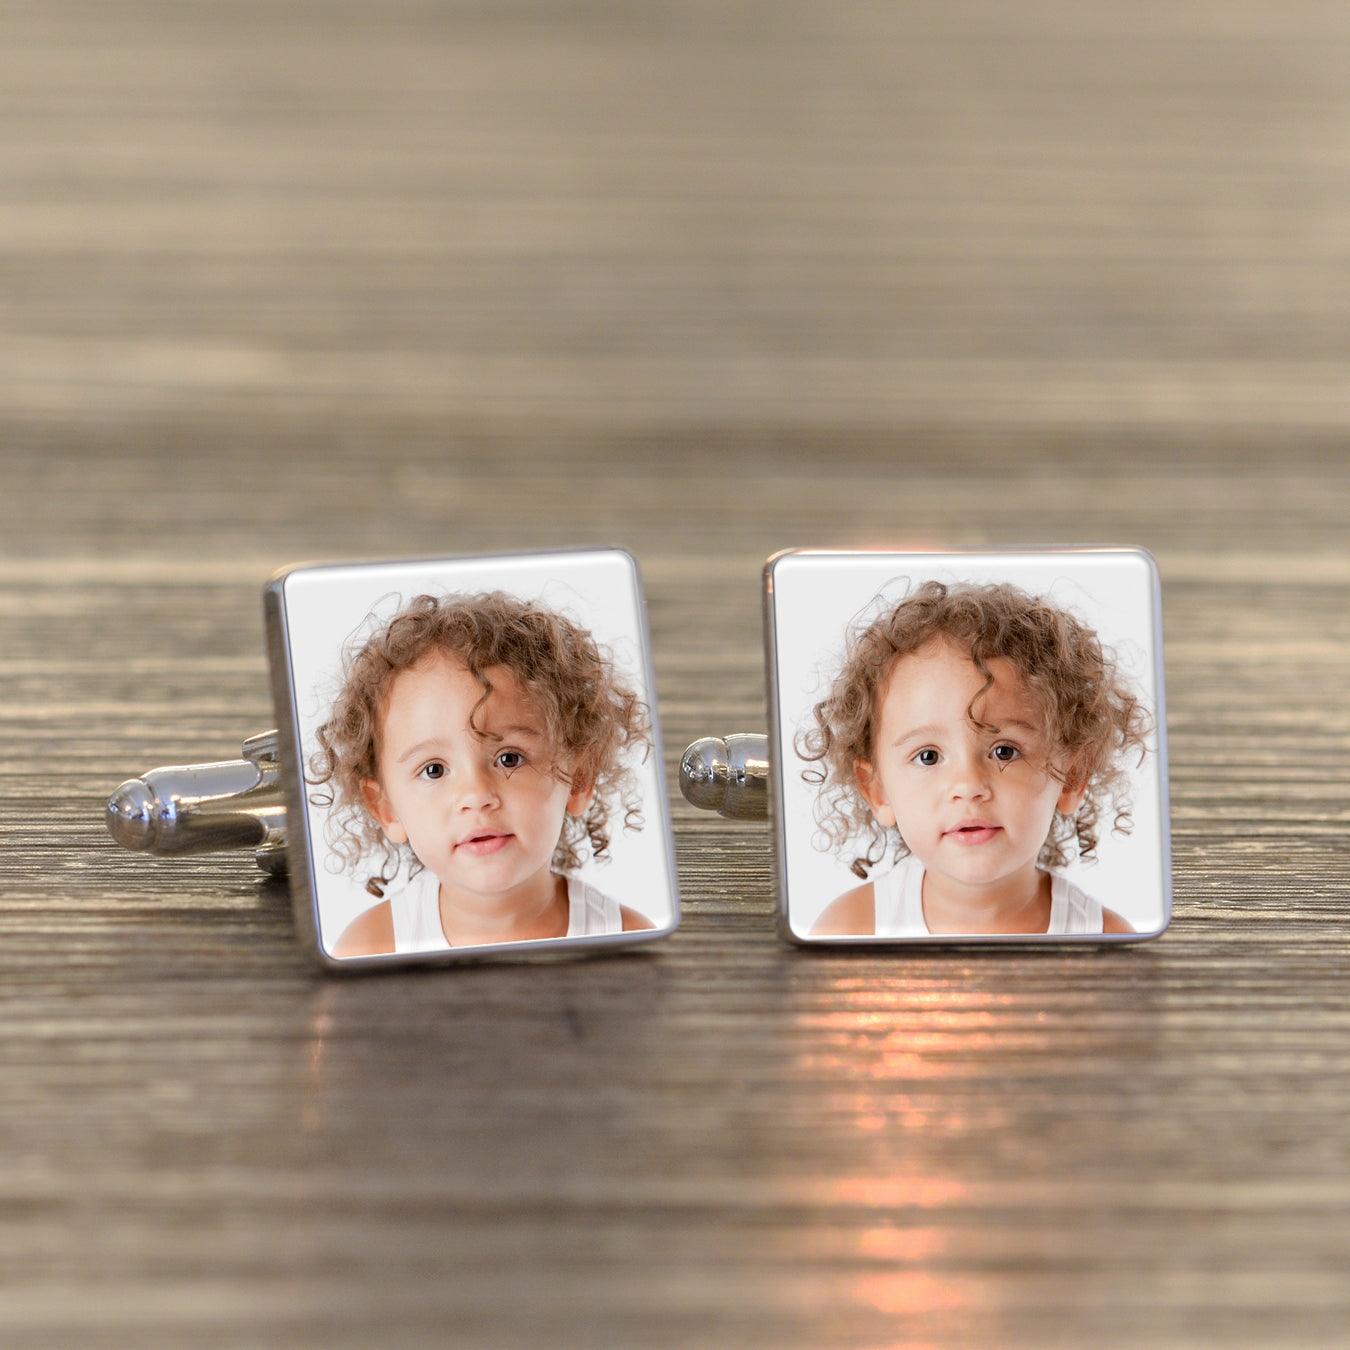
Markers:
point(466, 762)
point(964, 747)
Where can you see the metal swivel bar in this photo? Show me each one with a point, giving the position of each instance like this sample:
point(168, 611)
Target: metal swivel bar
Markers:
point(729, 775)
point(201, 808)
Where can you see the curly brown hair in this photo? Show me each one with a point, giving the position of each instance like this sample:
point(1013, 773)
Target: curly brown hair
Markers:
point(1091, 715)
point(591, 718)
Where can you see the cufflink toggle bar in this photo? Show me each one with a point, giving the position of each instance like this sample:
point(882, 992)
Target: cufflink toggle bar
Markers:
point(199, 808)
point(728, 775)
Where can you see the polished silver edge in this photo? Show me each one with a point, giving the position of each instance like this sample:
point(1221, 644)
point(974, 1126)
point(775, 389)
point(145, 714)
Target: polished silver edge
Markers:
point(431, 559)
point(663, 797)
point(777, 761)
point(299, 868)
point(1164, 780)
point(299, 850)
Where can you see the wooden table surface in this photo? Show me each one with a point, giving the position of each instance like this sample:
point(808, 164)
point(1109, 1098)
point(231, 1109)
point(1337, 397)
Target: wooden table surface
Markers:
point(363, 278)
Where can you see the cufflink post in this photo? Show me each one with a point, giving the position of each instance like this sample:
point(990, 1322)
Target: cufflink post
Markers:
point(729, 775)
point(202, 808)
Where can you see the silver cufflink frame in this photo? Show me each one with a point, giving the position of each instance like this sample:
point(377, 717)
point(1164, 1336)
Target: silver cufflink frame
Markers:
point(827, 614)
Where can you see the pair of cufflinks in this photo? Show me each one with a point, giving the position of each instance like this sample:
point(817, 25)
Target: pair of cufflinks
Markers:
point(963, 747)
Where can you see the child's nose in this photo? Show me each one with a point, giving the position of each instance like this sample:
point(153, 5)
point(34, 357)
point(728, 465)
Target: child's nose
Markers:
point(969, 776)
point(475, 788)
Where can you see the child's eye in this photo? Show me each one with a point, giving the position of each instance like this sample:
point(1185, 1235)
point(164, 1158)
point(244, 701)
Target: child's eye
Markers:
point(510, 759)
point(1005, 754)
point(434, 771)
point(927, 757)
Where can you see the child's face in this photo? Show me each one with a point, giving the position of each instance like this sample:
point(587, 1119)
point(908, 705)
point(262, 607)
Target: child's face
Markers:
point(974, 804)
point(483, 812)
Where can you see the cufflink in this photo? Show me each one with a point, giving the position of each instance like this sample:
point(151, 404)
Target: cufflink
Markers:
point(963, 747)
point(466, 762)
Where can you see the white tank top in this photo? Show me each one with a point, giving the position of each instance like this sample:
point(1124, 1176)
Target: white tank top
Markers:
point(416, 913)
point(898, 898)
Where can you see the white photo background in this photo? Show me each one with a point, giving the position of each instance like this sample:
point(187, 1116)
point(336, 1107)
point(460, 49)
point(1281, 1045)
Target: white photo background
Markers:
point(328, 608)
point(817, 597)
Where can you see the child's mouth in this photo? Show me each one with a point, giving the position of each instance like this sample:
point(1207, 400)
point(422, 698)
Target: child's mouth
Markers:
point(972, 832)
point(483, 843)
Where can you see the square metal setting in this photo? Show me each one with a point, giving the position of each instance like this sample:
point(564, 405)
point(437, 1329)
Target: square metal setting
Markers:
point(814, 599)
point(317, 614)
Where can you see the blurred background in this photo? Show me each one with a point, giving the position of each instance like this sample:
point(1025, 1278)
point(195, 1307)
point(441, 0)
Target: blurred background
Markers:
point(287, 280)
point(902, 261)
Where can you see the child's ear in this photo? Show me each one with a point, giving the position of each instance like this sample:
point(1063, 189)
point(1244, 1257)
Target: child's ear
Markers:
point(380, 807)
point(1071, 798)
point(870, 785)
point(579, 798)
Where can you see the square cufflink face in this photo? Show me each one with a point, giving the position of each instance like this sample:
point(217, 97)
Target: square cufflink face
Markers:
point(967, 747)
point(470, 757)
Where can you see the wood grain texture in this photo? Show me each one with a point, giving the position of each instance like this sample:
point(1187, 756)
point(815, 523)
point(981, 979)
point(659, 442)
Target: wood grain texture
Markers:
point(339, 279)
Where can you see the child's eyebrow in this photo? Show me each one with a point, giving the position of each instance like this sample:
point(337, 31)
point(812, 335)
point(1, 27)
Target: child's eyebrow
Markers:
point(932, 729)
point(422, 747)
point(917, 733)
point(430, 744)
point(518, 731)
point(1020, 723)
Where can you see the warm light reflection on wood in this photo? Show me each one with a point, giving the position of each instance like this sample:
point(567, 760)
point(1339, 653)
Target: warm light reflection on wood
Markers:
point(900, 1244)
point(320, 1026)
point(869, 1032)
point(892, 1192)
point(910, 1292)
point(885, 1050)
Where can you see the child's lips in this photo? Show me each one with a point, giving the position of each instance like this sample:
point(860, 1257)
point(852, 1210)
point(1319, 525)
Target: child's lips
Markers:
point(971, 832)
point(487, 842)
